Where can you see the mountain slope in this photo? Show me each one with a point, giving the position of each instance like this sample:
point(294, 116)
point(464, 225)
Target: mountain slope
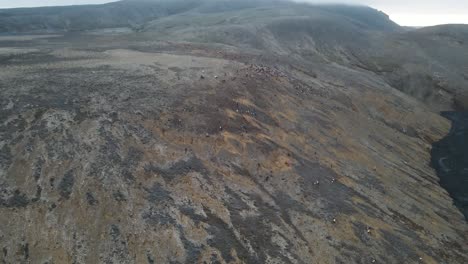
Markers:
point(135, 13)
point(214, 132)
point(77, 18)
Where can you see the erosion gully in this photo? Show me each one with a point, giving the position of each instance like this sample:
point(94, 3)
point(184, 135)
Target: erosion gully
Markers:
point(450, 160)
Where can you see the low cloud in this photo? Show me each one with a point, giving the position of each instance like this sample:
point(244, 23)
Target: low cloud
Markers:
point(405, 6)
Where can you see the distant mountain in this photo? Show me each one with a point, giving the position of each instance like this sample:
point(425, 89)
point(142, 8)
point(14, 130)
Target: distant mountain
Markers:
point(88, 17)
point(135, 13)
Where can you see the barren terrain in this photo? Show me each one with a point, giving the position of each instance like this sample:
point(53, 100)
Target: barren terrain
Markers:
point(141, 147)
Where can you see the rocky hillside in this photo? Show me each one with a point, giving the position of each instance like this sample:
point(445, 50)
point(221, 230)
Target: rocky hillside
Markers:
point(428, 64)
point(225, 132)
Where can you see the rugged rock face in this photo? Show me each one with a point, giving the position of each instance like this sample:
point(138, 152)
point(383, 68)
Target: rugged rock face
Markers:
point(150, 148)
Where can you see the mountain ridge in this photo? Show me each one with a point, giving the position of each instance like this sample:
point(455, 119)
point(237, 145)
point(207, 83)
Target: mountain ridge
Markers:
point(127, 13)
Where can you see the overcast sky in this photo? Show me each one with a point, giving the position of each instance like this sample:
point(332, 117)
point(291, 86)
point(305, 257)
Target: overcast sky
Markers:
point(404, 12)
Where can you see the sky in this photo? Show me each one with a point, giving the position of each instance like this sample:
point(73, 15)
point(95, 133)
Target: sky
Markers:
point(404, 12)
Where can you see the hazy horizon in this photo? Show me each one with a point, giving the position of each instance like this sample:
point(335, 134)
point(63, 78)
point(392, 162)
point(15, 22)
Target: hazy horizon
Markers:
point(403, 12)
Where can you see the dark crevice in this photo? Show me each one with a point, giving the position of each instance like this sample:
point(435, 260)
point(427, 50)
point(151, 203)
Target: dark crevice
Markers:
point(450, 160)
